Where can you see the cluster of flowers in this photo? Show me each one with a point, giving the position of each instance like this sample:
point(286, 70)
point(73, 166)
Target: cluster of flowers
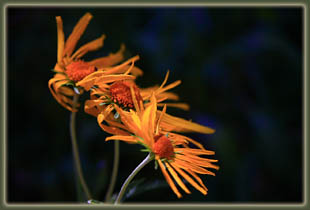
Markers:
point(127, 112)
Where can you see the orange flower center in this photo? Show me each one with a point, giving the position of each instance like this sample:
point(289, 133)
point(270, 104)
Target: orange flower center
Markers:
point(163, 147)
point(121, 94)
point(77, 70)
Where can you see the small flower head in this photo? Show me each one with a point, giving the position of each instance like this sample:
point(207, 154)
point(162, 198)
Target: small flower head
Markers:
point(70, 69)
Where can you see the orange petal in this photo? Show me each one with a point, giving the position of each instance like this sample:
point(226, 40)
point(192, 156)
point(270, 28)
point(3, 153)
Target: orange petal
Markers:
point(197, 178)
point(76, 34)
point(110, 60)
point(165, 80)
point(134, 99)
point(181, 125)
point(61, 39)
point(149, 117)
point(90, 81)
point(66, 91)
point(189, 179)
point(168, 87)
point(166, 96)
point(113, 130)
point(184, 139)
point(128, 139)
point(128, 121)
point(198, 161)
point(91, 46)
point(101, 117)
point(177, 179)
point(57, 96)
point(189, 164)
point(195, 151)
point(159, 119)
point(176, 105)
point(91, 107)
point(169, 180)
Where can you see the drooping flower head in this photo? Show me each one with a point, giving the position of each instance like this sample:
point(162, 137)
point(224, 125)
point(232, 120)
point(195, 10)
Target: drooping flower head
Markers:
point(170, 150)
point(70, 68)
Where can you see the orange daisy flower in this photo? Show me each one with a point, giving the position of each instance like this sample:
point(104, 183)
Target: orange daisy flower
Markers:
point(170, 150)
point(125, 94)
point(71, 69)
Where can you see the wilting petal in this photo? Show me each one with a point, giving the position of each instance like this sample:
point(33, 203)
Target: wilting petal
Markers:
point(61, 39)
point(89, 81)
point(171, 123)
point(128, 139)
point(176, 105)
point(76, 34)
point(110, 60)
point(91, 46)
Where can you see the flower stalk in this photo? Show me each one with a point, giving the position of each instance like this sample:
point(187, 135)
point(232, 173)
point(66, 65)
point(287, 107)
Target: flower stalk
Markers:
point(130, 177)
point(75, 150)
point(114, 172)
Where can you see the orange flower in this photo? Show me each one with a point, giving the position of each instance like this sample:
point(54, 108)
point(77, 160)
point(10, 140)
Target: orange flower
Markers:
point(103, 101)
point(70, 69)
point(170, 150)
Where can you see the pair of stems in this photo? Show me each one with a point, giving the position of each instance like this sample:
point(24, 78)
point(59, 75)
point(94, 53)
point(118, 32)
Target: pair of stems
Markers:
point(76, 157)
point(78, 167)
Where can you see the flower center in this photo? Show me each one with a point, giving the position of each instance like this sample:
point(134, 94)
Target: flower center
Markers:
point(163, 147)
point(77, 70)
point(121, 94)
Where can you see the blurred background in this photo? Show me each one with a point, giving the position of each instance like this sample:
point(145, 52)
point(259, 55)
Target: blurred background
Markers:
point(241, 72)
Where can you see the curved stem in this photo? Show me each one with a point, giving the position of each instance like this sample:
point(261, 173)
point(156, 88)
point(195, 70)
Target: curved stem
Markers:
point(114, 172)
point(130, 177)
point(75, 150)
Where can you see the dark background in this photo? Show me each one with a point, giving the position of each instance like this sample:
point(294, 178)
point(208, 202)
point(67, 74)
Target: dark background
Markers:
point(241, 72)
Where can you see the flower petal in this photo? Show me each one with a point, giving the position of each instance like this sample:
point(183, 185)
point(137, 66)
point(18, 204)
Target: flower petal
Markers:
point(61, 39)
point(128, 139)
point(171, 123)
point(76, 34)
point(110, 60)
point(177, 179)
point(183, 106)
point(91, 46)
point(169, 180)
point(203, 189)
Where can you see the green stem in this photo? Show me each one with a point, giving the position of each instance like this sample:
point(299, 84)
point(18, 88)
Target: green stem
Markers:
point(130, 177)
point(75, 150)
point(114, 172)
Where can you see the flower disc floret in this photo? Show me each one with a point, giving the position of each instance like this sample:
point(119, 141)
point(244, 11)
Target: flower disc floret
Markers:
point(77, 70)
point(163, 147)
point(121, 94)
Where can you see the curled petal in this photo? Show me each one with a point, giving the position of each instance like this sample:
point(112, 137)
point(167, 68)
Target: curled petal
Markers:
point(76, 34)
point(110, 60)
point(91, 46)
